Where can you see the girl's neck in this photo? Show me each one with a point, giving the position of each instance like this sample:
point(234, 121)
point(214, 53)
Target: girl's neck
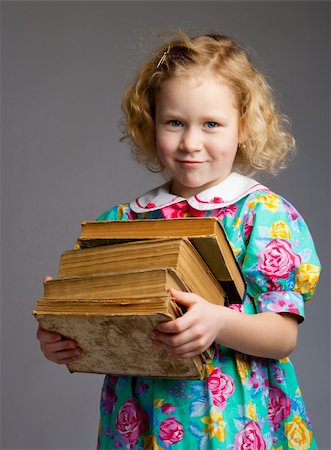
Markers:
point(176, 188)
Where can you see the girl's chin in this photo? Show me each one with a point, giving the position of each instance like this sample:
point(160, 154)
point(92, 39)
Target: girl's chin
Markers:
point(187, 190)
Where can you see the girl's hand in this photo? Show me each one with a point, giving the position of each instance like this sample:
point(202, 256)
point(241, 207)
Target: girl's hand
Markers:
point(54, 346)
point(192, 333)
point(266, 334)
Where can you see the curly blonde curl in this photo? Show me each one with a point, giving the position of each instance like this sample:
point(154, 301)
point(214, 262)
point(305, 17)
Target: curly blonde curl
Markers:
point(266, 138)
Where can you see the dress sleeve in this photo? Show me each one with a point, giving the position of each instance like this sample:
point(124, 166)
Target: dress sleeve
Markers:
point(281, 266)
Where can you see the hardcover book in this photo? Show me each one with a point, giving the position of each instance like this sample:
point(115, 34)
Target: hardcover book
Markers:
point(111, 317)
point(206, 234)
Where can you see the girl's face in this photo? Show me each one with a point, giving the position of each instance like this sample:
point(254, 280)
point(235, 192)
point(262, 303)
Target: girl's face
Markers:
point(197, 131)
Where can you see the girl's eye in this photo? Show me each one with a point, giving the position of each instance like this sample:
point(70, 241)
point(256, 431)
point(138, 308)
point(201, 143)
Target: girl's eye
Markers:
point(211, 124)
point(175, 123)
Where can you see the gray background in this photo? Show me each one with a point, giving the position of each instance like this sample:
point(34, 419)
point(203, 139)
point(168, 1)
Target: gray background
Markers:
point(64, 68)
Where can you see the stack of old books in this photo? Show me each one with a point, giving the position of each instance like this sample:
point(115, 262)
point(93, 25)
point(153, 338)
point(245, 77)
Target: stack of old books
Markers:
point(112, 290)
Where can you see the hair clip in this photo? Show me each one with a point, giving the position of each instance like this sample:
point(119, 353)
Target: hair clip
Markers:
point(163, 58)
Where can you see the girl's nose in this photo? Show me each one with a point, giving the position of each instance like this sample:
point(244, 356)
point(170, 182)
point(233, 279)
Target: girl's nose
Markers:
point(191, 141)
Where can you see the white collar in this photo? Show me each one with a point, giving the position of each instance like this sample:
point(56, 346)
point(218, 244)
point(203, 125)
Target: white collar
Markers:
point(229, 191)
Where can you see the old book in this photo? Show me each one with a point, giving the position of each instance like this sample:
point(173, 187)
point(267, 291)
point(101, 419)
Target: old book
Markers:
point(206, 234)
point(111, 316)
point(178, 253)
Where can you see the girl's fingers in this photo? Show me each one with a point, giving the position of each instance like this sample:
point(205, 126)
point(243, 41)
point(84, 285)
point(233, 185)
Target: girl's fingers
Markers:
point(191, 333)
point(171, 340)
point(63, 357)
point(47, 278)
point(193, 339)
point(184, 298)
point(48, 336)
point(56, 348)
point(184, 322)
point(187, 350)
point(61, 352)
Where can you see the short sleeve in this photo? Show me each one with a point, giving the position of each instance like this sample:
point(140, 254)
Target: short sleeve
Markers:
point(118, 212)
point(281, 266)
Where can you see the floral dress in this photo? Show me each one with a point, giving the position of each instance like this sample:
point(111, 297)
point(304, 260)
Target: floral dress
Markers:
point(244, 402)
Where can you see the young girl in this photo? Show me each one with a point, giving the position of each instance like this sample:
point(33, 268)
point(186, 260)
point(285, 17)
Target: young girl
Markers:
point(199, 111)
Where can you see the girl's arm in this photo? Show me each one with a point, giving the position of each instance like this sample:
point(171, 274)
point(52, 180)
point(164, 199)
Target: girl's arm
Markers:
point(268, 335)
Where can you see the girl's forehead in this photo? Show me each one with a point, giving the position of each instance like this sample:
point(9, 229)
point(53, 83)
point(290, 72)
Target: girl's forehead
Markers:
point(197, 76)
point(200, 88)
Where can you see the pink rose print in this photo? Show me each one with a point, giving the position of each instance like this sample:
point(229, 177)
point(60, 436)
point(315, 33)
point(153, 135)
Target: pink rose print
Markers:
point(221, 386)
point(248, 226)
point(131, 421)
point(195, 212)
point(171, 431)
point(167, 408)
point(279, 407)
point(179, 210)
point(277, 260)
point(229, 211)
point(131, 215)
point(250, 438)
point(278, 373)
point(175, 211)
point(237, 307)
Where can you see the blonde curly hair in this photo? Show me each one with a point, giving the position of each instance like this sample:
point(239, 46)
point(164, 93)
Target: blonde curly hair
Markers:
point(267, 141)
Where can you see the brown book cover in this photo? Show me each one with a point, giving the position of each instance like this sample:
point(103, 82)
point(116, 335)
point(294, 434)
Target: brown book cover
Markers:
point(111, 317)
point(206, 234)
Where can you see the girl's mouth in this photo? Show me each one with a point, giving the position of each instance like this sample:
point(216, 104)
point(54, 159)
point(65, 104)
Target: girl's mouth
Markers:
point(190, 162)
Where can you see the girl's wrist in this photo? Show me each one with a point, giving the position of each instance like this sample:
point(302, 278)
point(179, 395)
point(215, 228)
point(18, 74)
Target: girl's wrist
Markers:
point(226, 320)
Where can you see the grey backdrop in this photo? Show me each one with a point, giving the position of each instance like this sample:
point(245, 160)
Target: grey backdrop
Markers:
point(64, 68)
